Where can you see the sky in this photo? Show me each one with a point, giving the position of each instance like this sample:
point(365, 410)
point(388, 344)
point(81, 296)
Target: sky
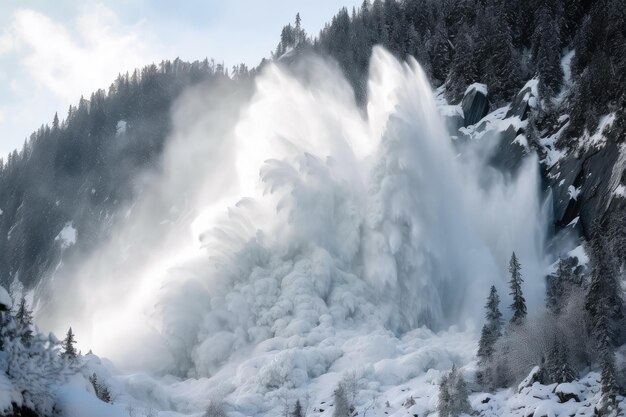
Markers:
point(52, 52)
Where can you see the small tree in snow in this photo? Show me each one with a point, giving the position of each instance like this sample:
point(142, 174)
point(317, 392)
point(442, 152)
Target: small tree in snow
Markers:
point(519, 303)
point(69, 351)
point(453, 395)
point(342, 405)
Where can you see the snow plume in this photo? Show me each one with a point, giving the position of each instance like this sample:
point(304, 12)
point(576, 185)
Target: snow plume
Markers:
point(339, 223)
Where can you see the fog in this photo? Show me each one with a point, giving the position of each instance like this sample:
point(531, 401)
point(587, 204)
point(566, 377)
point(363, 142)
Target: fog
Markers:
point(292, 216)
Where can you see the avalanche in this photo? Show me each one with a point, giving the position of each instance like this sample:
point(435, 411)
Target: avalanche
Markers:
point(356, 245)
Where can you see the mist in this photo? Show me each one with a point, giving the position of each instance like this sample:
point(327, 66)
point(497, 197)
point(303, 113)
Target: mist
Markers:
point(289, 216)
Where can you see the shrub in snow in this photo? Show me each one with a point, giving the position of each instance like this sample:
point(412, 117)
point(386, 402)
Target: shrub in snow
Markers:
point(533, 344)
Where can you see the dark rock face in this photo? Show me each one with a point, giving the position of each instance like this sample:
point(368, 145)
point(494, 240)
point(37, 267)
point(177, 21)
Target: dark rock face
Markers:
point(589, 176)
point(520, 104)
point(595, 193)
point(563, 175)
point(475, 105)
point(508, 154)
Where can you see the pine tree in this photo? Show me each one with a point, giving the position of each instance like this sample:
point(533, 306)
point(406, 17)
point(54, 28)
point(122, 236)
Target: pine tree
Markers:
point(69, 351)
point(491, 331)
point(297, 411)
point(24, 321)
point(557, 366)
point(519, 303)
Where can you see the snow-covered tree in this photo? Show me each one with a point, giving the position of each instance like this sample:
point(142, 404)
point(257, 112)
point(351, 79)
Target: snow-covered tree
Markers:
point(342, 405)
point(519, 303)
point(557, 366)
point(491, 332)
point(69, 351)
point(453, 395)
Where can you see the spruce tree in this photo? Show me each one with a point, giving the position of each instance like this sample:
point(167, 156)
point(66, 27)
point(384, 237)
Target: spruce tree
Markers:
point(519, 303)
point(557, 366)
point(69, 351)
point(491, 331)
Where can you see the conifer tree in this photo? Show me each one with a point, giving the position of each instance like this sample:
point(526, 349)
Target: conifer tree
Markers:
point(558, 367)
point(491, 331)
point(519, 303)
point(69, 351)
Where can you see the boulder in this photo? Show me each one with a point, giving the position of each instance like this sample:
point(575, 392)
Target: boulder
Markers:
point(567, 391)
point(509, 152)
point(521, 104)
point(475, 104)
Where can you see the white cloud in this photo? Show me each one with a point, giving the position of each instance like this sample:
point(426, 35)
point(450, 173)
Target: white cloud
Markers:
point(73, 60)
